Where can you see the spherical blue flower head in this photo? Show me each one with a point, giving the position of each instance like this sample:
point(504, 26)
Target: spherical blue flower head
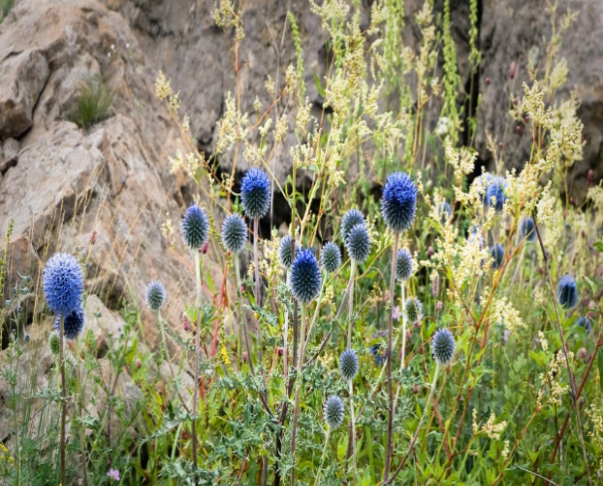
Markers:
point(567, 292)
point(73, 325)
point(358, 243)
point(63, 283)
point(404, 265)
point(495, 193)
point(585, 323)
point(348, 364)
point(528, 229)
point(305, 276)
point(413, 310)
point(234, 233)
point(255, 193)
point(155, 295)
point(399, 202)
point(349, 220)
point(497, 253)
point(195, 227)
point(333, 412)
point(284, 251)
point(444, 211)
point(330, 257)
point(442, 346)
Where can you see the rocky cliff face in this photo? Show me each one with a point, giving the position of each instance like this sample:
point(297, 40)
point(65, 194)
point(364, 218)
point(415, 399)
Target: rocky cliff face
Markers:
point(111, 183)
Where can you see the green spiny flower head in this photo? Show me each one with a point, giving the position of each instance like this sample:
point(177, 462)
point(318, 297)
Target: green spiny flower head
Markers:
point(399, 202)
point(333, 412)
point(404, 265)
point(234, 233)
point(350, 219)
point(330, 257)
point(54, 343)
point(195, 227)
point(284, 251)
point(155, 295)
point(348, 364)
point(413, 310)
point(443, 346)
point(358, 243)
point(255, 193)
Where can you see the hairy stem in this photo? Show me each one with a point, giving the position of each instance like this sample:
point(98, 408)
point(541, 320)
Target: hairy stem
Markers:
point(324, 453)
point(63, 399)
point(351, 303)
point(197, 351)
point(298, 384)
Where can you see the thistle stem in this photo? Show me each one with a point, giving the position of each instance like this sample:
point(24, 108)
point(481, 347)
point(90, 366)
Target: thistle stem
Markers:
point(63, 399)
point(315, 317)
point(403, 352)
point(351, 303)
point(258, 300)
point(324, 453)
point(197, 348)
point(388, 357)
point(298, 381)
point(353, 438)
point(285, 335)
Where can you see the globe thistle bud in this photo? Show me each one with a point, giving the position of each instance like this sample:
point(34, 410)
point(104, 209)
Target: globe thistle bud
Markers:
point(495, 193)
point(73, 324)
point(442, 346)
point(585, 323)
point(26, 338)
point(399, 202)
point(413, 310)
point(54, 343)
point(195, 227)
point(63, 283)
point(444, 211)
point(333, 412)
point(405, 265)
point(330, 257)
point(255, 193)
point(358, 243)
point(497, 253)
point(567, 292)
point(527, 229)
point(435, 284)
point(155, 295)
point(284, 251)
point(305, 276)
point(234, 233)
point(350, 219)
point(348, 364)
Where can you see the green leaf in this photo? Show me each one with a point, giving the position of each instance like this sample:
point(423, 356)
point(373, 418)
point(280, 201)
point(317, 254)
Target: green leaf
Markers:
point(319, 87)
point(599, 246)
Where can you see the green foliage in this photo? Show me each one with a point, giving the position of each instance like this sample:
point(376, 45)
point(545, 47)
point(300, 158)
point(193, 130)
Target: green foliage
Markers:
point(5, 8)
point(92, 104)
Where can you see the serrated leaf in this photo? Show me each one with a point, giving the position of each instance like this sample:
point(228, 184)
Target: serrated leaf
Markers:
point(599, 246)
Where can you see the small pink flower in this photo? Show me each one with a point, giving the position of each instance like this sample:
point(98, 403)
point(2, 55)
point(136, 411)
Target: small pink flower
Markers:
point(396, 314)
point(439, 305)
point(113, 474)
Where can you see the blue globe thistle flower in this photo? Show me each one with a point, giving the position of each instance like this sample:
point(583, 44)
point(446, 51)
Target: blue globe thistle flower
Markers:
point(476, 236)
point(73, 325)
point(348, 364)
point(333, 412)
point(585, 323)
point(404, 265)
point(399, 202)
point(443, 347)
point(255, 193)
point(497, 253)
point(495, 193)
point(330, 257)
point(63, 283)
point(234, 233)
point(527, 229)
point(567, 292)
point(444, 211)
point(376, 349)
point(358, 243)
point(195, 227)
point(349, 220)
point(413, 310)
point(155, 295)
point(305, 276)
